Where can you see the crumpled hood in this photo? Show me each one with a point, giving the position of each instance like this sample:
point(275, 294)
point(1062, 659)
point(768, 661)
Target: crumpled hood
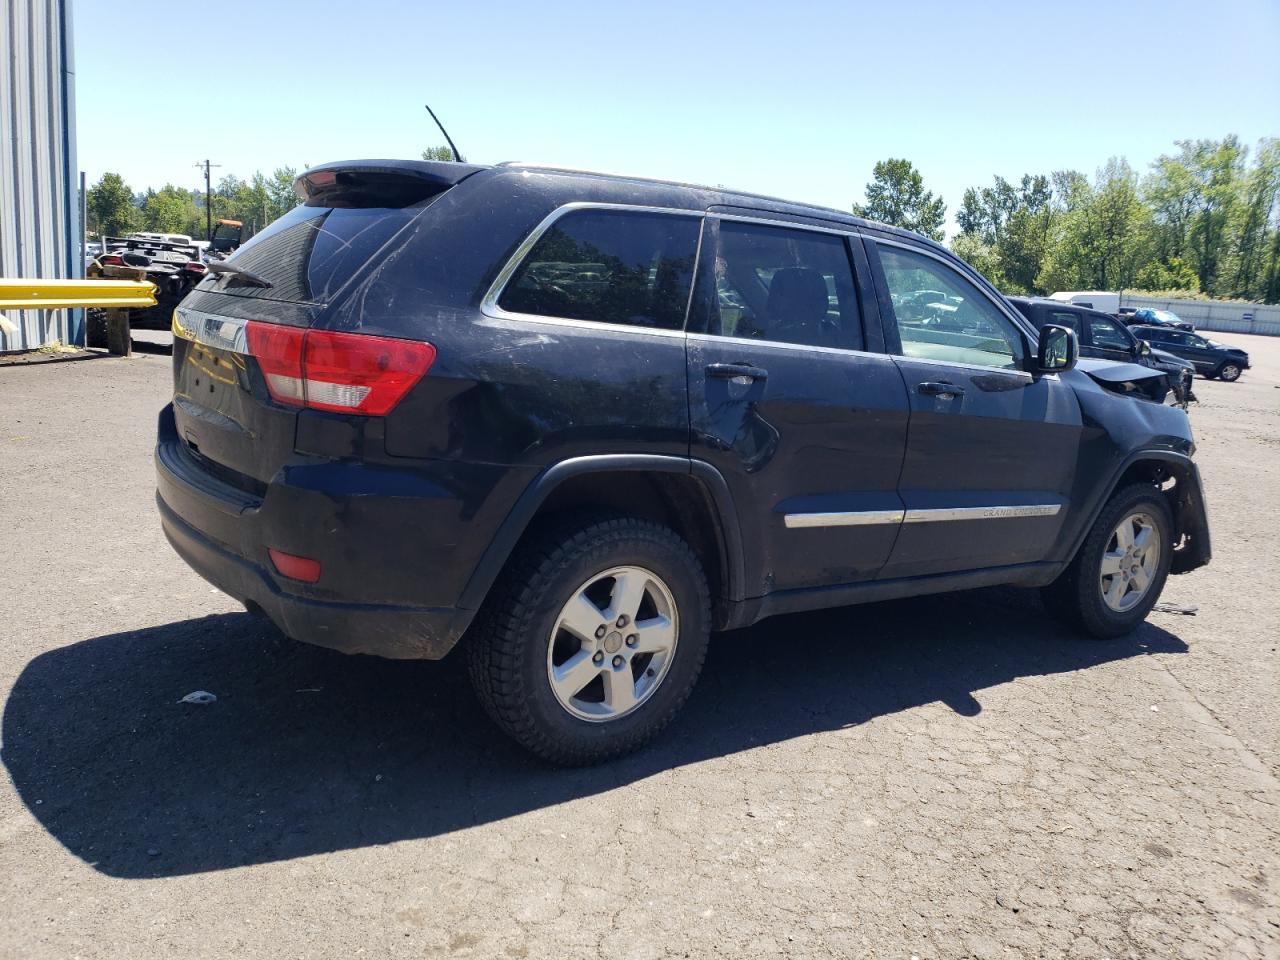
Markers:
point(1110, 372)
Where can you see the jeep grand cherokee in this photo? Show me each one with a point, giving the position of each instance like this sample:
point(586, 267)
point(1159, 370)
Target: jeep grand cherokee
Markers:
point(576, 422)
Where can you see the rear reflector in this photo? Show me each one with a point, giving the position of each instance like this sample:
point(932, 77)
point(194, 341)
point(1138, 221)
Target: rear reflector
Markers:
point(295, 567)
point(343, 372)
point(112, 259)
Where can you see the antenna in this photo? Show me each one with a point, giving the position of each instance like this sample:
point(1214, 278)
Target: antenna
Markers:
point(456, 155)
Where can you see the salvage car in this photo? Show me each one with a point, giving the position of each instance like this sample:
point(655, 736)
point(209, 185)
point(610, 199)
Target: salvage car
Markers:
point(1212, 358)
point(1148, 317)
point(572, 423)
point(1106, 338)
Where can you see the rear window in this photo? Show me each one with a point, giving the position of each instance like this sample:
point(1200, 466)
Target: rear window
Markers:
point(609, 266)
point(311, 252)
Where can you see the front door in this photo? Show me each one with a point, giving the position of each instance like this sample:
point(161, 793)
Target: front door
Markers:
point(991, 449)
point(1109, 339)
point(807, 427)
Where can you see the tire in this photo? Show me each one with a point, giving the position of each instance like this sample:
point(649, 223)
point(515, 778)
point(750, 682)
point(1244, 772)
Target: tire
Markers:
point(95, 328)
point(1229, 372)
point(1077, 596)
point(519, 639)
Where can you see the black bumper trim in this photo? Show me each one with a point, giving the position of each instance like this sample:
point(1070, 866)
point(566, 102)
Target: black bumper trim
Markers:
point(399, 633)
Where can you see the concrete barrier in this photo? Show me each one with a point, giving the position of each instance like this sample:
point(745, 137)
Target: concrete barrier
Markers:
point(1219, 315)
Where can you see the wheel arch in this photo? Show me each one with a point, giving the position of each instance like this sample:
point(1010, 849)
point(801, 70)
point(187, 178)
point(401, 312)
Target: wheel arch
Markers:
point(1177, 477)
point(688, 495)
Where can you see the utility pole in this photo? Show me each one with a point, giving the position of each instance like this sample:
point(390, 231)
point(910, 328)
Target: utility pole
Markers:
point(208, 198)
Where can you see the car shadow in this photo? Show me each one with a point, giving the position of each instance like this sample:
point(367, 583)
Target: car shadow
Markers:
point(163, 349)
point(307, 751)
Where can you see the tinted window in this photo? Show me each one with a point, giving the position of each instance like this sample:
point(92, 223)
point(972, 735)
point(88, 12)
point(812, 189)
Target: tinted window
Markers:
point(610, 266)
point(941, 315)
point(1153, 334)
point(311, 252)
point(1065, 318)
point(1109, 334)
point(785, 285)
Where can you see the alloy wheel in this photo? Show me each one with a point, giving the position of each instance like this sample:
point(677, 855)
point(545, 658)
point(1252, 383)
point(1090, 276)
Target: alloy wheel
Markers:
point(1130, 562)
point(612, 644)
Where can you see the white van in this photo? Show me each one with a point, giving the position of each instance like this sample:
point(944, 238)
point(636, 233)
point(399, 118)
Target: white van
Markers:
point(1099, 300)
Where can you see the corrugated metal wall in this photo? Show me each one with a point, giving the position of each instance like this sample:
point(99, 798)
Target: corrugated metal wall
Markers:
point(1217, 315)
point(39, 209)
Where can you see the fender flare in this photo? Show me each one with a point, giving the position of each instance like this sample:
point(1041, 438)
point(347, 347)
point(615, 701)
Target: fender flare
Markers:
point(1189, 511)
point(526, 507)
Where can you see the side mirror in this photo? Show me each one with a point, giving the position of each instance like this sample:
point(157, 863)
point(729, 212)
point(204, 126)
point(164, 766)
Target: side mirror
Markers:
point(1059, 349)
point(1144, 348)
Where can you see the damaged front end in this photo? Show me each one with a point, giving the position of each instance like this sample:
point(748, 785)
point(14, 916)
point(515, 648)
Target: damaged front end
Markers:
point(1151, 442)
point(1128, 379)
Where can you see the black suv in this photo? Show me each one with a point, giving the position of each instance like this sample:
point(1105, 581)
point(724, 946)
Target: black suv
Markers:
point(1211, 358)
point(577, 422)
point(1107, 338)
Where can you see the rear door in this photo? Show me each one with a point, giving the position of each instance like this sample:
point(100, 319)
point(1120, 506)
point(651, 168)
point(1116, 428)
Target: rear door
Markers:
point(806, 424)
point(991, 449)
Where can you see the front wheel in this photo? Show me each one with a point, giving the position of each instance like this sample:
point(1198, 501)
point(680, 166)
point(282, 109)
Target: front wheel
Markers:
point(1230, 372)
point(592, 639)
point(1116, 577)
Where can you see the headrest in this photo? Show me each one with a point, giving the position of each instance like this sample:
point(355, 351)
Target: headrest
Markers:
point(797, 295)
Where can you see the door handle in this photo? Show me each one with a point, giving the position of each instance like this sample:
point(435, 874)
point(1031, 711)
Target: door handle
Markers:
point(734, 371)
point(940, 389)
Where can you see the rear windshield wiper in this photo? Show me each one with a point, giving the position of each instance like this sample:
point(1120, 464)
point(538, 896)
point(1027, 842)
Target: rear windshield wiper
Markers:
point(252, 279)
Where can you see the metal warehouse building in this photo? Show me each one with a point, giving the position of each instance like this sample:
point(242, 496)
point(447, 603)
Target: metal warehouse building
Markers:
point(39, 210)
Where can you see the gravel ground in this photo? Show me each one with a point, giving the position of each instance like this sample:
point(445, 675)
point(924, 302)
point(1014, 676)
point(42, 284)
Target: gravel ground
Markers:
point(948, 777)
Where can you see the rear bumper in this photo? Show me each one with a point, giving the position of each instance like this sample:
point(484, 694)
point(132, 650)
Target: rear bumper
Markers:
point(399, 633)
point(392, 565)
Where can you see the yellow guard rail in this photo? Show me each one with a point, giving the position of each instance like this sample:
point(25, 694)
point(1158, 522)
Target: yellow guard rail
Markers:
point(72, 294)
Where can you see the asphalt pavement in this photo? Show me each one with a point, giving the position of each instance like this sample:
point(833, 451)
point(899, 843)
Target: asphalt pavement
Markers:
point(946, 777)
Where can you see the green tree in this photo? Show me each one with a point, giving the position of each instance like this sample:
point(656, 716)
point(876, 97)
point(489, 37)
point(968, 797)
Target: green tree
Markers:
point(1214, 167)
point(441, 153)
point(170, 210)
point(1013, 224)
point(896, 196)
point(1177, 274)
point(1102, 231)
point(1257, 207)
point(111, 211)
point(280, 191)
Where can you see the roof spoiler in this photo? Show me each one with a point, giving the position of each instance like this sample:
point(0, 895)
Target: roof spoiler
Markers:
point(381, 183)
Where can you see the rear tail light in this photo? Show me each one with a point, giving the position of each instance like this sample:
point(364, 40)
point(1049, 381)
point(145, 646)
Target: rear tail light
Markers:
point(295, 567)
point(195, 266)
point(343, 372)
point(112, 259)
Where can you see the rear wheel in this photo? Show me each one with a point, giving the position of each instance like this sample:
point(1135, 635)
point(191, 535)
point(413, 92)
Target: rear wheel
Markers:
point(592, 639)
point(1229, 372)
point(1116, 578)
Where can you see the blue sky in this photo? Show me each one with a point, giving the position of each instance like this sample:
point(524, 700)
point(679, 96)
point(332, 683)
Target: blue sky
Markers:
point(794, 98)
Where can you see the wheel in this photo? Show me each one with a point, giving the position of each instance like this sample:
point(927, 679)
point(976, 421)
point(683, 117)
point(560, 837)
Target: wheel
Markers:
point(1116, 577)
point(592, 638)
point(1230, 372)
point(95, 328)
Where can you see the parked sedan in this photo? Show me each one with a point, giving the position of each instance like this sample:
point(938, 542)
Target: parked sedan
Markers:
point(1211, 358)
point(1106, 338)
